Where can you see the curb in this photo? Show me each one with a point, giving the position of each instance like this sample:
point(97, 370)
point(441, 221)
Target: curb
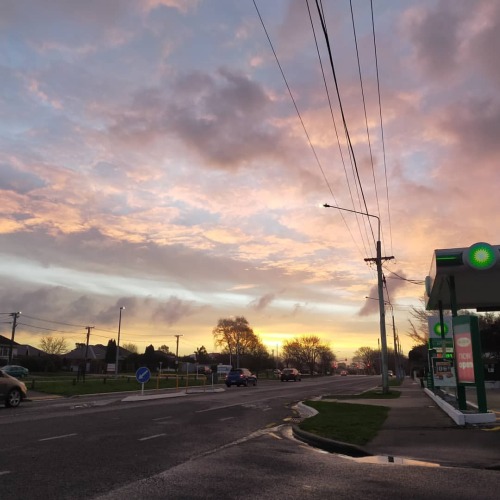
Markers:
point(322, 443)
point(329, 445)
point(459, 417)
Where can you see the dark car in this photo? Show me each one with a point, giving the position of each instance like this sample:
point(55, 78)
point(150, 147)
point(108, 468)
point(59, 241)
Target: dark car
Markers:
point(240, 376)
point(12, 391)
point(15, 371)
point(290, 374)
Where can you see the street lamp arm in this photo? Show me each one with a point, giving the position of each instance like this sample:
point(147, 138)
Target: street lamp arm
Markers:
point(326, 205)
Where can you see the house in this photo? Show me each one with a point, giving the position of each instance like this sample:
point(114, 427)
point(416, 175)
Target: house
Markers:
point(5, 346)
point(29, 350)
point(95, 355)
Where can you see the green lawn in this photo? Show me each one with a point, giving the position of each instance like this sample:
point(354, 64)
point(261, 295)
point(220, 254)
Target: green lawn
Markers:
point(71, 386)
point(350, 423)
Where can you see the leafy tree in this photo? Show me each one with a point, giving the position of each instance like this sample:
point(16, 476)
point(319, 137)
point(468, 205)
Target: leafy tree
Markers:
point(202, 355)
point(306, 351)
point(326, 358)
point(110, 356)
point(149, 351)
point(54, 345)
point(235, 336)
point(164, 348)
point(131, 348)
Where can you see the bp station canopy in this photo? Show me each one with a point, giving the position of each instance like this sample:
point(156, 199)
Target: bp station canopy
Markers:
point(464, 278)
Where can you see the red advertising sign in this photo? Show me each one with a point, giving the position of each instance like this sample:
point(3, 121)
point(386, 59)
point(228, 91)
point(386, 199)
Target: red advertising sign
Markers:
point(463, 357)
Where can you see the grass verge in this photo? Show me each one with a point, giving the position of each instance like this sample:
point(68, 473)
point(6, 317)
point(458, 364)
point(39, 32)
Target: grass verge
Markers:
point(349, 423)
point(94, 385)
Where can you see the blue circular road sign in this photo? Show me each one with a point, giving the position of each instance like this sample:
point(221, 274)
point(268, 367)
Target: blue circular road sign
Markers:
point(143, 375)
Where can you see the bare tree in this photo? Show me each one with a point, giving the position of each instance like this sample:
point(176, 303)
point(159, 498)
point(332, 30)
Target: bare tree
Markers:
point(367, 356)
point(54, 345)
point(419, 325)
point(130, 348)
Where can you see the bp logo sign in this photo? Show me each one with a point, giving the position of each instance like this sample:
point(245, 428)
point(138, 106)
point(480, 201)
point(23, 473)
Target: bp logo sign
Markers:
point(480, 256)
point(441, 332)
point(436, 331)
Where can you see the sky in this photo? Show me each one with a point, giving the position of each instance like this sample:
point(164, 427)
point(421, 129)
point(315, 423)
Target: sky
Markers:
point(172, 157)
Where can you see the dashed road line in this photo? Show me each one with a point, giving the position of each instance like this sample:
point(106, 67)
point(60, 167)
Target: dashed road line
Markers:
point(151, 437)
point(57, 437)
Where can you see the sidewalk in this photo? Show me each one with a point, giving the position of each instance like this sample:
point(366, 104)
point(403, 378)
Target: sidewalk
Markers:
point(418, 429)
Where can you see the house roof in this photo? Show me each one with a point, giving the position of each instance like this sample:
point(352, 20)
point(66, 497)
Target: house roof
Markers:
point(97, 351)
point(29, 350)
point(6, 341)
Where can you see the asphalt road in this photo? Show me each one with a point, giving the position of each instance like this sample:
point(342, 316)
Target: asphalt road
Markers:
point(231, 444)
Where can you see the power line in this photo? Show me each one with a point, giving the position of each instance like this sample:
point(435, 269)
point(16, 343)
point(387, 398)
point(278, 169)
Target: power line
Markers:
point(351, 149)
point(293, 101)
point(337, 136)
point(381, 124)
point(364, 106)
point(413, 281)
point(53, 321)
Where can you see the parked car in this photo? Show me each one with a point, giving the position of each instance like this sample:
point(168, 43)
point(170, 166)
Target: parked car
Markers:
point(390, 373)
point(15, 371)
point(12, 391)
point(343, 373)
point(240, 376)
point(290, 374)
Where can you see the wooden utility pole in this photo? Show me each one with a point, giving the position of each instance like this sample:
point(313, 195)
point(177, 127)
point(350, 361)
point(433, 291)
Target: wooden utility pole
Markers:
point(177, 353)
point(14, 324)
point(86, 351)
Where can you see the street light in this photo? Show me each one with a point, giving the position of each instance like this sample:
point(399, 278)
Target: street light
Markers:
point(118, 343)
point(378, 260)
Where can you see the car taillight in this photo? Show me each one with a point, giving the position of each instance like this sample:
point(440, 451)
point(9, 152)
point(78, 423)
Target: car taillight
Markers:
point(241, 375)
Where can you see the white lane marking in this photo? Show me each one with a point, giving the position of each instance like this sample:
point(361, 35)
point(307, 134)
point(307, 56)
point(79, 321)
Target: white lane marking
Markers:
point(58, 437)
point(227, 418)
point(151, 437)
point(161, 418)
point(3, 472)
point(223, 407)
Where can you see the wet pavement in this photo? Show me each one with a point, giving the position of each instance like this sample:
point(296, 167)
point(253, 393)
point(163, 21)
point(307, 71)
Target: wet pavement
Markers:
point(418, 428)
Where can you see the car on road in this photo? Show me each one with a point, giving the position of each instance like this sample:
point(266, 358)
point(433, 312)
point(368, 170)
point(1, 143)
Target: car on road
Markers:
point(15, 371)
point(290, 374)
point(12, 391)
point(240, 376)
point(343, 373)
point(390, 373)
